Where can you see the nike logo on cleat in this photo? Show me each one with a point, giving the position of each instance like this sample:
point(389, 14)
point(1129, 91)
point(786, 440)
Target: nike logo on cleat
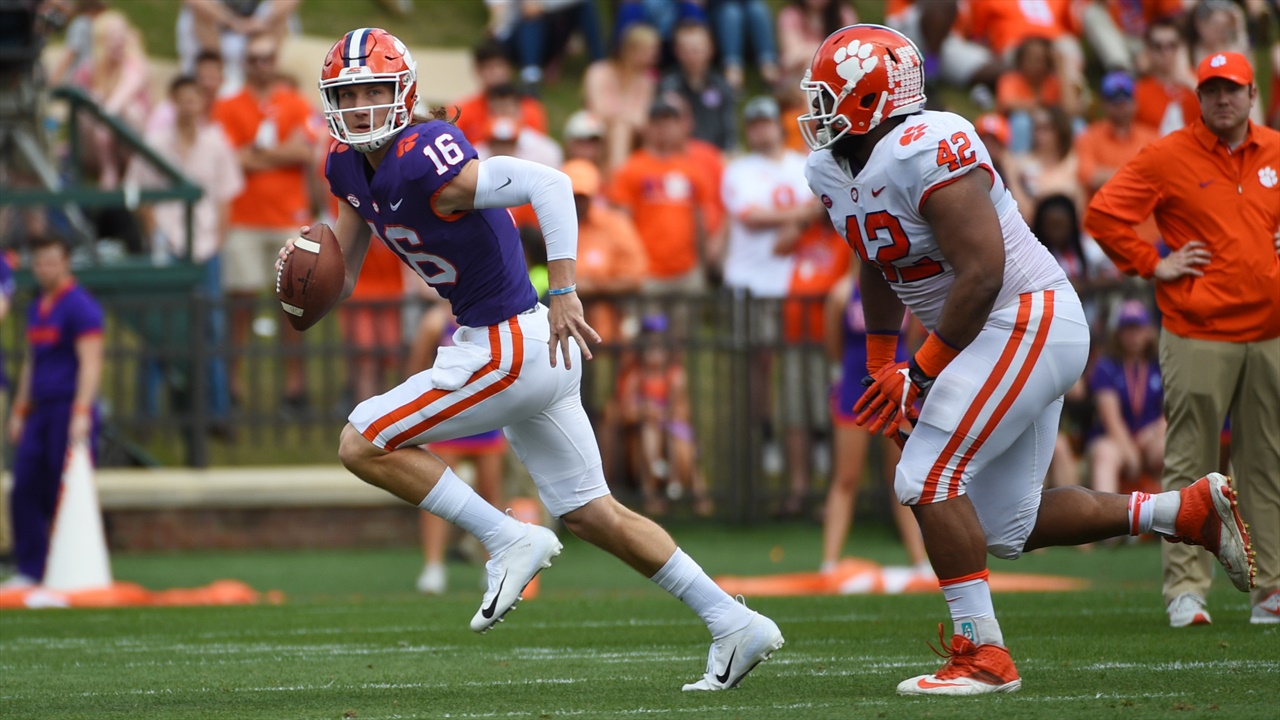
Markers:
point(722, 679)
point(488, 612)
point(927, 684)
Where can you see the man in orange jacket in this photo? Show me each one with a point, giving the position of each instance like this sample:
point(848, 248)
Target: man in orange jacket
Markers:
point(1214, 189)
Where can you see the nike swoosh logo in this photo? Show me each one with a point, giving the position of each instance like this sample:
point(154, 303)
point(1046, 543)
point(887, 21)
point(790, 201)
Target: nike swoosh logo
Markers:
point(488, 612)
point(508, 182)
point(926, 685)
point(876, 193)
point(722, 679)
point(396, 205)
point(1206, 183)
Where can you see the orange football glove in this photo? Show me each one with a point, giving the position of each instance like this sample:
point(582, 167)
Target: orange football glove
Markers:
point(891, 398)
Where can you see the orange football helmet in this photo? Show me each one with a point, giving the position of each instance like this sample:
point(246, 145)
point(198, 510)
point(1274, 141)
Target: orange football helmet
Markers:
point(369, 55)
point(860, 75)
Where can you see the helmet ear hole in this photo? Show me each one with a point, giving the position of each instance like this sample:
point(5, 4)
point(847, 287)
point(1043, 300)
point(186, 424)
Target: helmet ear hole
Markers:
point(867, 101)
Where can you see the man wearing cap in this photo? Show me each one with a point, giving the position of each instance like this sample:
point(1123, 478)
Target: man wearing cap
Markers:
point(611, 258)
point(671, 199)
point(1109, 143)
point(768, 204)
point(584, 138)
point(1214, 189)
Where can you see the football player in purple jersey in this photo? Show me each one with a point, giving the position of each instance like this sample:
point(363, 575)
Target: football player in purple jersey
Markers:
point(418, 187)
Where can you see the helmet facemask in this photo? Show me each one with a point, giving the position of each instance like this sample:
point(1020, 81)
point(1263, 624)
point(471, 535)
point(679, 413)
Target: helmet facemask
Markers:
point(399, 110)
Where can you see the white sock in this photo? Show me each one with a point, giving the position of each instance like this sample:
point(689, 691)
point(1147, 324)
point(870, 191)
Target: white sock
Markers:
point(683, 578)
point(972, 614)
point(1141, 510)
point(1164, 512)
point(452, 500)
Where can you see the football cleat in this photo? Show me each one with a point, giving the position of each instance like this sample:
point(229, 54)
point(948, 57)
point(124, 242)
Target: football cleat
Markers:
point(511, 570)
point(1208, 517)
point(970, 670)
point(1267, 612)
point(738, 653)
point(1188, 609)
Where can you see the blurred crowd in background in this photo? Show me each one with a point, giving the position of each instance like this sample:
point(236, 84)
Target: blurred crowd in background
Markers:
point(687, 168)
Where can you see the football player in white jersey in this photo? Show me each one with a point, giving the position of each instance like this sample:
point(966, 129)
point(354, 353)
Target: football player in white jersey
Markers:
point(916, 196)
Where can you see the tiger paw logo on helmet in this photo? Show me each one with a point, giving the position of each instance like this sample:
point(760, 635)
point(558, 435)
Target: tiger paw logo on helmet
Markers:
point(854, 61)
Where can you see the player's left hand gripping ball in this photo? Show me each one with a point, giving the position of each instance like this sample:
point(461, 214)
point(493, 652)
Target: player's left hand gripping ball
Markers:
point(890, 398)
point(309, 279)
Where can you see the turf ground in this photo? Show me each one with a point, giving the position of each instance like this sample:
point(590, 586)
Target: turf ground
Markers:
point(354, 641)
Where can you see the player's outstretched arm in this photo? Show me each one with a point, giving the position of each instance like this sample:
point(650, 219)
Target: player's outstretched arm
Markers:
point(968, 230)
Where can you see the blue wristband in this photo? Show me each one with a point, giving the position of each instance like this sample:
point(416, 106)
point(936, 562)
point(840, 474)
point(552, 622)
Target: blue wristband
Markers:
point(563, 291)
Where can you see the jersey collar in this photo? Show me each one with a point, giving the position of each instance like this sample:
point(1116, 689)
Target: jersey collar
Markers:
point(1210, 142)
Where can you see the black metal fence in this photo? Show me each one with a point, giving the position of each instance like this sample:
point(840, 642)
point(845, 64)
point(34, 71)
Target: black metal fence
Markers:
point(755, 370)
point(162, 398)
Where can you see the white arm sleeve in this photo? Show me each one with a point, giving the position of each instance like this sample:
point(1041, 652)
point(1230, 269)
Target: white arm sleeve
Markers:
point(505, 182)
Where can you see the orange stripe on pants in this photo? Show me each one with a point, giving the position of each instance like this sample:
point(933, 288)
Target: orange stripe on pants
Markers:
point(517, 358)
point(970, 417)
point(1019, 382)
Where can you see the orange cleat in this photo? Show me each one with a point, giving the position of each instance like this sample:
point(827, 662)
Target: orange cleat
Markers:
point(970, 670)
point(1208, 517)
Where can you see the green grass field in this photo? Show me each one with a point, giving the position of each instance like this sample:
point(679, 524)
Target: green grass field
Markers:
point(354, 641)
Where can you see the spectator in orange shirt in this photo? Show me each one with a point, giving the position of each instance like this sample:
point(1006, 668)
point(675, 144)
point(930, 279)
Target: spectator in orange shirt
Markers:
point(669, 196)
point(1006, 25)
point(493, 69)
point(1219, 212)
point(1165, 98)
point(611, 257)
point(1107, 144)
point(267, 124)
point(371, 324)
point(819, 259)
point(1034, 80)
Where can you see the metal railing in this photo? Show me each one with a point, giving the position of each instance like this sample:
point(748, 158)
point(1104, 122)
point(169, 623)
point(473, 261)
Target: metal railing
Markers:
point(749, 367)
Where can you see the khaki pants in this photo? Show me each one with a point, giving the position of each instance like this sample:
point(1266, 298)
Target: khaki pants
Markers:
point(1204, 381)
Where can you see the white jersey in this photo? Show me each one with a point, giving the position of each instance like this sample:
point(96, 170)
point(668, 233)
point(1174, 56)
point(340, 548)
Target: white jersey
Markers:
point(757, 182)
point(881, 207)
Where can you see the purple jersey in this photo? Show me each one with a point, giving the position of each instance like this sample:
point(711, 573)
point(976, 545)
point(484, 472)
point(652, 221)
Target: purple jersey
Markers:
point(6, 291)
point(1140, 389)
point(474, 259)
point(54, 323)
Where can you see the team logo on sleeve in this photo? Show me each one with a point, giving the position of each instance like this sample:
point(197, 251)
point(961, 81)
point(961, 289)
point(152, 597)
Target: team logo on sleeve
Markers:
point(1267, 176)
point(355, 201)
point(912, 134)
point(406, 144)
point(826, 200)
point(854, 61)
